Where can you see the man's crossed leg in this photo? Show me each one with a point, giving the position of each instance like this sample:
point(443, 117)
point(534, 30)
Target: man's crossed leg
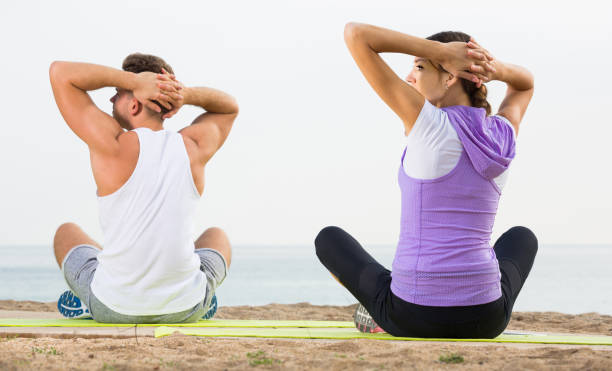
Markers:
point(76, 252)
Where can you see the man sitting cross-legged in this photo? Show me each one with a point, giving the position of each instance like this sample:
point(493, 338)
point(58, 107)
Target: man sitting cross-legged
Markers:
point(149, 183)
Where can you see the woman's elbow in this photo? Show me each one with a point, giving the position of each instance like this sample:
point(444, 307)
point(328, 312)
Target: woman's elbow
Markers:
point(529, 80)
point(234, 107)
point(352, 31)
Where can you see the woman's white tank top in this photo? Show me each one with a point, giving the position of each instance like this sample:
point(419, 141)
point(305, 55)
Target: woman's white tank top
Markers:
point(148, 265)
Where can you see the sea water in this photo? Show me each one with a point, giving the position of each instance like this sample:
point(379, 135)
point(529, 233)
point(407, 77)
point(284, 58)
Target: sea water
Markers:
point(568, 279)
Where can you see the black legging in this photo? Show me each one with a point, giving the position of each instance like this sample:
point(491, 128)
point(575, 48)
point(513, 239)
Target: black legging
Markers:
point(370, 283)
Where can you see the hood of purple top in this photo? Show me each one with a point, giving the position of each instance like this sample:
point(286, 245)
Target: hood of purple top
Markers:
point(488, 141)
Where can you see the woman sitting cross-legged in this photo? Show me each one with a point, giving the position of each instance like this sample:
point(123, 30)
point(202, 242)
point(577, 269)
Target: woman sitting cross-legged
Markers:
point(446, 279)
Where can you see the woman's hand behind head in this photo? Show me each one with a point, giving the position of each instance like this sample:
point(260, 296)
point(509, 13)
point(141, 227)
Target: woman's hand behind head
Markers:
point(484, 62)
point(469, 63)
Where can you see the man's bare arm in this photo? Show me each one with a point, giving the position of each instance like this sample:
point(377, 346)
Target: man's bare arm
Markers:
point(71, 81)
point(210, 129)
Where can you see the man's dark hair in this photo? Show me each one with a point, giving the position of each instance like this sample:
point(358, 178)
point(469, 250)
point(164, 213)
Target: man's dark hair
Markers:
point(138, 62)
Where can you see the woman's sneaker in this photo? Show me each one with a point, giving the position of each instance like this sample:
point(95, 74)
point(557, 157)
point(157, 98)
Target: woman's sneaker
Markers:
point(70, 306)
point(212, 308)
point(364, 322)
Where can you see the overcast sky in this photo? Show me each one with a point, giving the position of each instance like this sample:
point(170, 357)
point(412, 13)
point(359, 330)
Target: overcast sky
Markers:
point(313, 144)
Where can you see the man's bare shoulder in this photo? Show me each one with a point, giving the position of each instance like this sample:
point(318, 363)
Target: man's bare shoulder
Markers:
point(190, 146)
point(127, 136)
point(127, 144)
point(112, 169)
point(122, 158)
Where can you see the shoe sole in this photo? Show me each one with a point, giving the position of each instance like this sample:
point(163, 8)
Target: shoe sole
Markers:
point(364, 322)
point(70, 306)
point(212, 308)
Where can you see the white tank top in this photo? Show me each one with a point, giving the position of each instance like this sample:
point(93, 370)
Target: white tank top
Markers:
point(148, 265)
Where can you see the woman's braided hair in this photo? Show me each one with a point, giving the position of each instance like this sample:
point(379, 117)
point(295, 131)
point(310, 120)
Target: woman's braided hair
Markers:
point(478, 96)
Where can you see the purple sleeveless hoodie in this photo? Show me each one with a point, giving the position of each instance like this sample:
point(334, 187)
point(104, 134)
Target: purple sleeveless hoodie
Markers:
point(444, 257)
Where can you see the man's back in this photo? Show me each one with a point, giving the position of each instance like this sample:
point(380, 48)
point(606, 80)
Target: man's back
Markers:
point(111, 172)
point(147, 223)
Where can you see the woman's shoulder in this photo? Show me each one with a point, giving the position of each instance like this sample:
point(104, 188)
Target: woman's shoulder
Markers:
point(432, 147)
point(500, 123)
point(476, 120)
point(432, 121)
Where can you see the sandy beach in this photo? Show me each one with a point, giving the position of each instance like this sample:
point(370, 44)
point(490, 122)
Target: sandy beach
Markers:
point(185, 352)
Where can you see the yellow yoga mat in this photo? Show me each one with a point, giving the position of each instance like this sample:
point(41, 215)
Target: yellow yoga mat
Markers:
point(31, 322)
point(296, 330)
point(344, 333)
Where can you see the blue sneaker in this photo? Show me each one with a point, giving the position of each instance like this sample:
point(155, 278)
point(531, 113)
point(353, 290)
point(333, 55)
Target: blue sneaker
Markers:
point(70, 306)
point(212, 308)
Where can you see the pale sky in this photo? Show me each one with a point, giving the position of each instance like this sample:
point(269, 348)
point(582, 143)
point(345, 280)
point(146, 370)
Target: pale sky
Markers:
point(313, 144)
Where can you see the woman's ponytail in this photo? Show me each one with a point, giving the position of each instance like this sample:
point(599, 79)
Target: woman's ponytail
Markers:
point(478, 96)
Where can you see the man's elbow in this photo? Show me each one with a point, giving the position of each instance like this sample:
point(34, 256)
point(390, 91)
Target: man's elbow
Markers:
point(232, 106)
point(56, 71)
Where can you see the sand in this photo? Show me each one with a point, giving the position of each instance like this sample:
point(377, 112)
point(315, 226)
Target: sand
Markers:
point(184, 352)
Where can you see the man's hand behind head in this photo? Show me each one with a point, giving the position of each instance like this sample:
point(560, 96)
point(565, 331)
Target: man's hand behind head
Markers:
point(171, 87)
point(156, 94)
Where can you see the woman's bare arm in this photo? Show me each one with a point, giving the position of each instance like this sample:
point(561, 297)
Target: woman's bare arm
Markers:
point(365, 42)
point(518, 94)
point(519, 81)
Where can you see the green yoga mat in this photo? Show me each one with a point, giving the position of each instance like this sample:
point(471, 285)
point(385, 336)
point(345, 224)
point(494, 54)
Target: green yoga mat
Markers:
point(31, 322)
point(343, 333)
